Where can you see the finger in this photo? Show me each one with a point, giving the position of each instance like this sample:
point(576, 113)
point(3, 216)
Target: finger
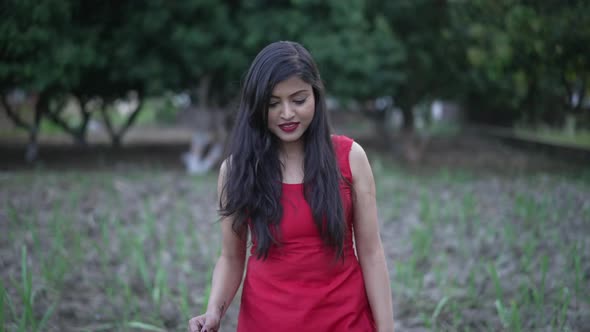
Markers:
point(203, 324)
point(210, 326)
point(194, 325)
point(197, 324)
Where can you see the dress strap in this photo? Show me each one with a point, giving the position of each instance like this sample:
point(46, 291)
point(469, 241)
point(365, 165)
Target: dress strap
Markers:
point(342, 146)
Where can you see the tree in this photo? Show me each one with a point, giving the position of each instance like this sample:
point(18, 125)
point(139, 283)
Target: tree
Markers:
point(419, 26)
point(102, 50)
point(37, 54)
point(523, 60)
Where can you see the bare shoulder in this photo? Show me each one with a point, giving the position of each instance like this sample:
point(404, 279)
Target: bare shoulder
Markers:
point(359, 163)
point(357, 152)
point(223, 167)
point(222, 175)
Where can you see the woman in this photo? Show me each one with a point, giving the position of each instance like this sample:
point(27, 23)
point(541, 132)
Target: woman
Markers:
point(302, 194)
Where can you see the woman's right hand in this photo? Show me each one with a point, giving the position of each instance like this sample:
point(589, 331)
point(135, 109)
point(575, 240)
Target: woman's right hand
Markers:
point(208, 322)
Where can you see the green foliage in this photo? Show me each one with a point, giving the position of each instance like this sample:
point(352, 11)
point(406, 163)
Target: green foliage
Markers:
point(359, 55)
point(36, 52)
point(420, 27)
point(521, 56)
point(506, 60)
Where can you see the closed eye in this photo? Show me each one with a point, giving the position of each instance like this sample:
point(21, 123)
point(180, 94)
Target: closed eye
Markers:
point(300, 101)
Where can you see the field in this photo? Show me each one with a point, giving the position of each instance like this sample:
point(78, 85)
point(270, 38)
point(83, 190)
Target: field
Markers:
point(482, 239)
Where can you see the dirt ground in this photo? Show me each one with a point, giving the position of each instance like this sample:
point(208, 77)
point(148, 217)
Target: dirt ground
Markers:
point(96, 187)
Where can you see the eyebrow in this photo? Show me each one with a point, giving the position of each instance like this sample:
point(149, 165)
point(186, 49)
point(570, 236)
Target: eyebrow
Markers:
point(293, 94)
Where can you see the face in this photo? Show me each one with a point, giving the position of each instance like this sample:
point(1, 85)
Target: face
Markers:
point(291, 109)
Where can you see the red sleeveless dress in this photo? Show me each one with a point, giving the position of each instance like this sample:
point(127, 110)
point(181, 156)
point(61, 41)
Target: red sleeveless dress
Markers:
point(300, 287)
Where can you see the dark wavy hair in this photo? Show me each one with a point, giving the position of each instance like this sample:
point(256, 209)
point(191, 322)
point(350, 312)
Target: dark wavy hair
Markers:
point(252, 189)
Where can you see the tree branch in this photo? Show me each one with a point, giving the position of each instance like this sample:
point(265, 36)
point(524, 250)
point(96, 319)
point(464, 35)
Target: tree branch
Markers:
point(54, 116)
point(115, 141)
point(83, 125)
point(16, 120)
point(131, 119)
point(107, 121)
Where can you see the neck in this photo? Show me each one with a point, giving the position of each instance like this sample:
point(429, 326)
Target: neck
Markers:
point(291, 150)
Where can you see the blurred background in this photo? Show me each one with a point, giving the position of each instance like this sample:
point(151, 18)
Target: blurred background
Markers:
point(114, 117)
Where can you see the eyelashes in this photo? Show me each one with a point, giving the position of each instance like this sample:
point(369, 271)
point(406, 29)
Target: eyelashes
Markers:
point(296, 101)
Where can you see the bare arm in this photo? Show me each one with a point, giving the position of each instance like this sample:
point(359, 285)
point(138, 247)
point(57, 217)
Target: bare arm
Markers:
point(227, 274)
point(368, 241)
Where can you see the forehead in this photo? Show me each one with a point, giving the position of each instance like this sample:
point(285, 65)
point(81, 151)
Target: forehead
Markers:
point(290, 86)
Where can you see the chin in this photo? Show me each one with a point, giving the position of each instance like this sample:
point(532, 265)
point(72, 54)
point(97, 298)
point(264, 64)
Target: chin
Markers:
point(289, 138)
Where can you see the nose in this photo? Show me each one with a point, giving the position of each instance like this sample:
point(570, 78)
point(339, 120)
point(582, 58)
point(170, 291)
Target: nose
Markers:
point(287, 112)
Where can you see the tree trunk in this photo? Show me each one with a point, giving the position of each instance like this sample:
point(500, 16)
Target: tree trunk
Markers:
point(203, 92)
point(379, 119)
point(410, 146)
point(41, 108)
point(408, 120)
point(530, 102)
point(406, 101)
point(81, 131)
point(107, 122)
point(116, 141)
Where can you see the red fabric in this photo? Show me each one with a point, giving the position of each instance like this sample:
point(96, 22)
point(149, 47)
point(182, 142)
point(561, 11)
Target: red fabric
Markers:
point(300, 287)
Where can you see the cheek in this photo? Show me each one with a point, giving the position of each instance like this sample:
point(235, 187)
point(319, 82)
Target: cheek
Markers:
point(270, 117)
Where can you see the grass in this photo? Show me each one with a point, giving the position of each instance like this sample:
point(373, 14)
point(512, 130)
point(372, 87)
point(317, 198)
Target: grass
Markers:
point(524, 284)
point(83, 239)
point(134, 251)
point(578, 138)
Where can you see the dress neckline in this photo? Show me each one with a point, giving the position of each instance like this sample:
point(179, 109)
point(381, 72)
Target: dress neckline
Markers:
point(291, 185)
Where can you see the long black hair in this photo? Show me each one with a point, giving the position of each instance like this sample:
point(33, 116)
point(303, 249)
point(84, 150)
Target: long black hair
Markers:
point(252, 188)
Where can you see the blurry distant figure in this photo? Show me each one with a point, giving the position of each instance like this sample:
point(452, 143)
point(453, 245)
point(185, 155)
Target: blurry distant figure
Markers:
point(208, 140)
point(205, 152)
point(445, 111)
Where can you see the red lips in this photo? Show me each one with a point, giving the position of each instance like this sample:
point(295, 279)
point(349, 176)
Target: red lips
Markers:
point(289, 127)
